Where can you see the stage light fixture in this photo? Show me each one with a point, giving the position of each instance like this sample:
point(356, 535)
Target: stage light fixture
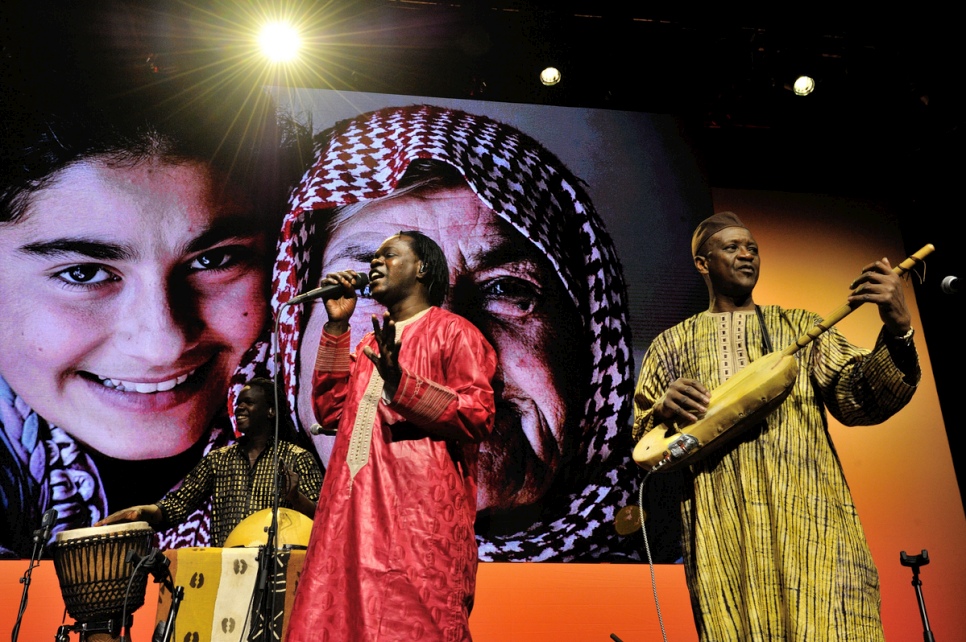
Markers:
point(550, 76)
point(803, 85)
point(279, 42)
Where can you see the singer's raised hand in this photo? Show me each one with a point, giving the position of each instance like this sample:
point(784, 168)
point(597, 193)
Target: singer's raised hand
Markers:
point(387, 359)
point(340, 309)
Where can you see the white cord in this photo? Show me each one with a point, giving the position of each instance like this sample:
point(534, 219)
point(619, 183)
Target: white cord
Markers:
point(647, 548)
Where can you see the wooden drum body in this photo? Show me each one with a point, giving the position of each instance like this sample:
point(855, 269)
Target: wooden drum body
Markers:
point(93, 571)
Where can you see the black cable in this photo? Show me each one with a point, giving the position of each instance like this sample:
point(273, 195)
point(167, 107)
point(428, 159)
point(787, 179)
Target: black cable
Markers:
point(130, 582)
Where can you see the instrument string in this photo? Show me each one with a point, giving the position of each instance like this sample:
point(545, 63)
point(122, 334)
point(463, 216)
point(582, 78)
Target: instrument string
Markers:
point(647, 549)
point(919, 269)
point(765, 337)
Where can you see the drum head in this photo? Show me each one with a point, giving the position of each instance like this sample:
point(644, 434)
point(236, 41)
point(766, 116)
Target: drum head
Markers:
point(95, 531)
point(294, 529)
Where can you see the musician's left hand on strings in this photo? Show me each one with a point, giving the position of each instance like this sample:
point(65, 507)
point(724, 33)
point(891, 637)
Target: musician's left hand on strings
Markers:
point(880, 285)
point(387, 360)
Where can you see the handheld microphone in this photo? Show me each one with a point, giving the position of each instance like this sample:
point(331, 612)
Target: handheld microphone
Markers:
point(329, 291)
point(950, 285)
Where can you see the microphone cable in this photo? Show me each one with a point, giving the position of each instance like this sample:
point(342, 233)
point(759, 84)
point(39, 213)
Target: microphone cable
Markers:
point(647, 549)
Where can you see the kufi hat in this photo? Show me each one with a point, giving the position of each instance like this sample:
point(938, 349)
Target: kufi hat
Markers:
point(711, 226)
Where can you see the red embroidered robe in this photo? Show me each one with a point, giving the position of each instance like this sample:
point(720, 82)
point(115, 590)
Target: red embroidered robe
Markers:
point(393, 553)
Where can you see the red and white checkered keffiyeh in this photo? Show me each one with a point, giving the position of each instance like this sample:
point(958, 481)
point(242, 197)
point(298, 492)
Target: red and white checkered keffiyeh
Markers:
point(364, 158)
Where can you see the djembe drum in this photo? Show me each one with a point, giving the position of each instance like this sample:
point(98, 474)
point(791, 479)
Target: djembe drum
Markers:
point(94, 573)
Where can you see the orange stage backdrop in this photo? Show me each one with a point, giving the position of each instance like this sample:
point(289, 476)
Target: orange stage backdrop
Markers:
point(900, 473)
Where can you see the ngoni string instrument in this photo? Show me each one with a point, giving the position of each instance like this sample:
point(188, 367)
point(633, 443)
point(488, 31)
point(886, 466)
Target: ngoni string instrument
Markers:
point(742, 401)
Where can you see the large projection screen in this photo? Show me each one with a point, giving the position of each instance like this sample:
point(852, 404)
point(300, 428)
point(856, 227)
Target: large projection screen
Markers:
point(644, 181)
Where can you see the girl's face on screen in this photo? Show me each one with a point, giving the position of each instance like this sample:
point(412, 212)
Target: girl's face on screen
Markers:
point(128, 295)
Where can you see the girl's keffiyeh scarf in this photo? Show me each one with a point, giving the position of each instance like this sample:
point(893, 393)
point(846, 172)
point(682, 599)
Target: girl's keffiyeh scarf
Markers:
point(64, 477)
point(524, 184)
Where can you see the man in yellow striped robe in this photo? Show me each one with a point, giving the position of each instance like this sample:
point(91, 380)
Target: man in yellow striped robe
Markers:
point(773, 546)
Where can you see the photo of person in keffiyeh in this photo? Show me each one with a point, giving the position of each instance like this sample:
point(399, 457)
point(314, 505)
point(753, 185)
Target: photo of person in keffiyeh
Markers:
point(531, 265)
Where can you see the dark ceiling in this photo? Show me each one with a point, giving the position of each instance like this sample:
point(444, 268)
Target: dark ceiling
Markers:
point(887, 95)
point(886, 119)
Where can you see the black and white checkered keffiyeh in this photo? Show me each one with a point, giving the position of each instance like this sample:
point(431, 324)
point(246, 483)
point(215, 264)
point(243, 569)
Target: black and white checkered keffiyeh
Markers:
point(363, 159)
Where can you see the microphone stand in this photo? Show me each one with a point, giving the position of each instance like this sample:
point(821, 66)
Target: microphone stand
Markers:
point(41, 535)
point(915, 561)
point(268, 554)
point(267, 560)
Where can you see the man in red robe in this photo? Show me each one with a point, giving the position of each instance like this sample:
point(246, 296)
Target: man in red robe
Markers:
point(393, 554)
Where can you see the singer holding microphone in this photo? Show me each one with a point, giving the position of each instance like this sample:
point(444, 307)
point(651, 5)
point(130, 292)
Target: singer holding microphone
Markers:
point(392, 552)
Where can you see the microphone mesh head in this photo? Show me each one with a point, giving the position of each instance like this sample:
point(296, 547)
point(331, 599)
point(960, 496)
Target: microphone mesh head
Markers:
point(950, 285)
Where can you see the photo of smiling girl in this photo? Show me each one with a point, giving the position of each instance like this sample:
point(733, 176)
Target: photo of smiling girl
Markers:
point(134, 236)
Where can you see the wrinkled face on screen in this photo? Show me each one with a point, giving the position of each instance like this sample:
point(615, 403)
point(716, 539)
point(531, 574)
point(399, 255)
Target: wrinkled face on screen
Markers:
point(501, 283)
point(128, 294)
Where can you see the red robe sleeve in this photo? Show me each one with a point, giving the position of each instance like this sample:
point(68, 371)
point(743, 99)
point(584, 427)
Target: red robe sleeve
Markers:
point(457, 401)
point(330, 379)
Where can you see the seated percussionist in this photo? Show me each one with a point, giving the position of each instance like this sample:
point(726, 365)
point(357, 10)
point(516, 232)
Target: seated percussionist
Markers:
point(239, 479)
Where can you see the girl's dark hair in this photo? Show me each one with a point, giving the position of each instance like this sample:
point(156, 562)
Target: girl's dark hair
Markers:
point(46, 130)
point(86, 80)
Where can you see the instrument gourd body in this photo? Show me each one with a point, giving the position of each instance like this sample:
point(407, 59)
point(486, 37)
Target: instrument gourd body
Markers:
point(739, 403)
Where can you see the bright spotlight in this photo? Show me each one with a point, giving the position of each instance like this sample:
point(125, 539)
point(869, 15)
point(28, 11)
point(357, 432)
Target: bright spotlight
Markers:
point(803, 85)
point(279, 42)
point(550, 76)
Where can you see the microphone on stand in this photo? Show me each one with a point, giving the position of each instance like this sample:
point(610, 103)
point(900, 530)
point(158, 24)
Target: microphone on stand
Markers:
point(42, 534)
point(317, 429)
point(329, 291)
point(950, 285)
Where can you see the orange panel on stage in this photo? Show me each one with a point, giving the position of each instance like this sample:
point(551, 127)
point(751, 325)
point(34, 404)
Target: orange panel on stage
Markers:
point(526, 602)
